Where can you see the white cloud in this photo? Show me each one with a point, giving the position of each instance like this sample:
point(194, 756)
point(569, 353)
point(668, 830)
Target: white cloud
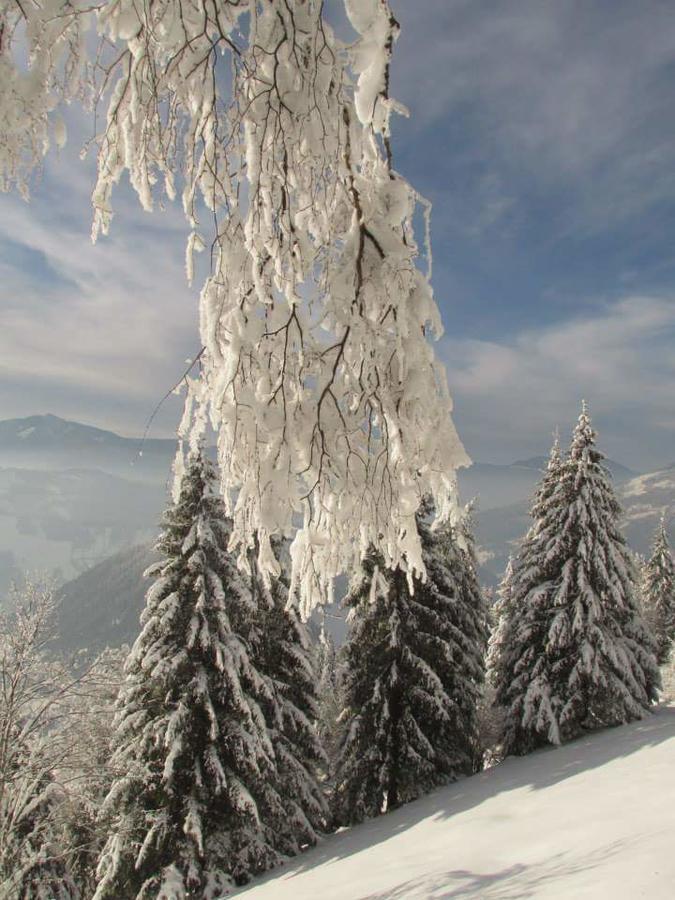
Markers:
point(511, 394)
point(571, 96)
point(574, 95)
point(100, 332)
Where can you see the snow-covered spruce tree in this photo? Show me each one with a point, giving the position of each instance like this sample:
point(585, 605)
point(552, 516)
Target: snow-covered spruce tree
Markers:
point(515, 644)
point(499, 636)
point(414, 672)
point(658, 593)
point(316, 317)
point(330, 697)
point(193, 792)
point(282, 654)
point(500, 623)
point(580, 655)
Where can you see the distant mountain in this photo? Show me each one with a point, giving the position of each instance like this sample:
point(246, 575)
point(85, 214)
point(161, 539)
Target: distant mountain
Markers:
point(619, 472)
point(498, 533)
point(102, 607)
point(65, 521)
point(48, 442)
point(494, 485)
point(10, 573)
point(644, 499)
point(72, 495)
point(501, 485)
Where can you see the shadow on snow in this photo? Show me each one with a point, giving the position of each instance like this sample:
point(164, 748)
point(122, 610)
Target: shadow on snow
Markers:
point(539, 770)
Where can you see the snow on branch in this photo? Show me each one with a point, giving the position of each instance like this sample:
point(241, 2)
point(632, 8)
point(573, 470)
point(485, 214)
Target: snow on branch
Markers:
point(318, 374)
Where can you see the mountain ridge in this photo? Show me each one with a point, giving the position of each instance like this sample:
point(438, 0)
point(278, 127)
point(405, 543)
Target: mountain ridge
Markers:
point(49, 442)
point(13, 434)
point(72, 495)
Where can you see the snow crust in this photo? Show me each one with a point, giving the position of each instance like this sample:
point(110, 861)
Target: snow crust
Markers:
point(591, 819)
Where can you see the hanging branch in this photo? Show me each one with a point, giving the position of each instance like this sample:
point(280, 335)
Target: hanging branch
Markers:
point(318, 374)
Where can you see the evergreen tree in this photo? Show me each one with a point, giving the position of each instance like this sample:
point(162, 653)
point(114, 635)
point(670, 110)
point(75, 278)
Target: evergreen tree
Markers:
point(283, 655)
point(503, 613)
point(515, 645)
point(579, 655)
point(34, 864)
point(330, 697)
point(658, 593)
point(414, 671)
point(326, 667)
point(193, 794)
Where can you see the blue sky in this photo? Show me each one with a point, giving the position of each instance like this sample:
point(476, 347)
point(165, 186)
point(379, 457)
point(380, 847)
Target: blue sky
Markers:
point(543, 133)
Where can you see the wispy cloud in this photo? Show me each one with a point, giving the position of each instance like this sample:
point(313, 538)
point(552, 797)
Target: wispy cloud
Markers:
point(567, 96)
point(104, 324)
point(512, 394)
point(531, 121)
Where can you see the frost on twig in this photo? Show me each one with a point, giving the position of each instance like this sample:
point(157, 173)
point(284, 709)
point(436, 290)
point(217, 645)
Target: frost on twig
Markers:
point(318, 375)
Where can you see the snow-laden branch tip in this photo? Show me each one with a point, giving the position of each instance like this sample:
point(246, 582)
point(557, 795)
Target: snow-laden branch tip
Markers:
point(332, 412)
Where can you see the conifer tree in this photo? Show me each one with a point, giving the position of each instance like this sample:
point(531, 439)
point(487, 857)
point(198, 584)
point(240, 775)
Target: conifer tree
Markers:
point(283, 656)
point(414, 671)
point(194, 793)
point(503, 612)
point(330, 697)
point(34, 864)
point(658, 593)
point(579, 655)
point(516, 644)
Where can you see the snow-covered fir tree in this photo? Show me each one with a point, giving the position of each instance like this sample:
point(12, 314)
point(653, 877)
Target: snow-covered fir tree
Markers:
point(326, 664)
point(414, 671)
point(500, 622)
point(34, 863)
point(283, 655)
point(330, 697)
point(508, 655)
point(194, 796)
point(503, 618)
point(658, 593)
point(578, 654)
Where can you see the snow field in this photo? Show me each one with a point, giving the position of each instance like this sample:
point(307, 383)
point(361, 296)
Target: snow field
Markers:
point(594, 818)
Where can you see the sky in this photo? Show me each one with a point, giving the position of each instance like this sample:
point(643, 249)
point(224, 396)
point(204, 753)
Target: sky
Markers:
point(544, 135)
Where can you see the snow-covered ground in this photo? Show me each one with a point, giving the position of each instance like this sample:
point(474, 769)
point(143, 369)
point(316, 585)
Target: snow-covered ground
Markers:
point(592, 819)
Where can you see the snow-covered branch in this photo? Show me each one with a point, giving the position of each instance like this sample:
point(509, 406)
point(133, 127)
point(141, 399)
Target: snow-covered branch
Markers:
point(332, 411)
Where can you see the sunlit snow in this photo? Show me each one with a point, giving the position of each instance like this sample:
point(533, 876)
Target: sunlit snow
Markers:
point(592, 819)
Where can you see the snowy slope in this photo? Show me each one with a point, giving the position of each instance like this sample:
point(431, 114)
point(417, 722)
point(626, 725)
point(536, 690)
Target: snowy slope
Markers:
point(649, 496)
point(592, 819)
point(65, 521)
